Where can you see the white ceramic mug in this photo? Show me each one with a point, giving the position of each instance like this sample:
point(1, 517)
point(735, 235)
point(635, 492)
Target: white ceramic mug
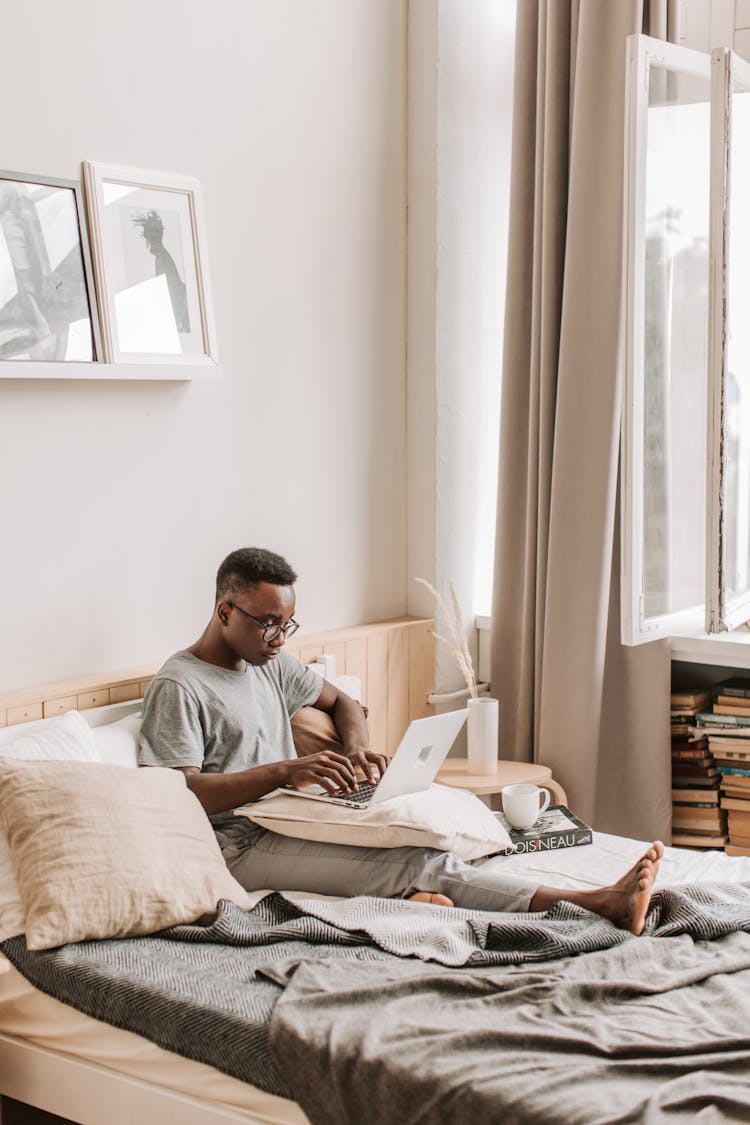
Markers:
point(523, 804)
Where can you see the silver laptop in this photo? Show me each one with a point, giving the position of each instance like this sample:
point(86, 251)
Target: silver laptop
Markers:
point(413, 767)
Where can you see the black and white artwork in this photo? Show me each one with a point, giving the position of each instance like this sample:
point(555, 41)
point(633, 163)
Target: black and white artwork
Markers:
point(150, 259)
point(153, 248)
point(47, 310)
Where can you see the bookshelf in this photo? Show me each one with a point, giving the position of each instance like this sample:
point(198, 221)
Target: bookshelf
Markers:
point(710, 708)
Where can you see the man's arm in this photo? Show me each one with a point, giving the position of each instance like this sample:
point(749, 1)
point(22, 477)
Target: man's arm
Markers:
point(349, 720)
point(222, 792)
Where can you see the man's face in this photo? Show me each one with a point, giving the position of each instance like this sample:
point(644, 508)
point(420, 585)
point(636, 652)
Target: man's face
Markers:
point(269, 606)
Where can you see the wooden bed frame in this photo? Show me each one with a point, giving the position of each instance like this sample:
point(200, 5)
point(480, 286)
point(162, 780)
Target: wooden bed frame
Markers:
point(395, 663)
point(90, 1094)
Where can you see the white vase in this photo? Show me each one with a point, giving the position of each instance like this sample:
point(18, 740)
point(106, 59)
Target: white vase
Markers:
point(482, 734)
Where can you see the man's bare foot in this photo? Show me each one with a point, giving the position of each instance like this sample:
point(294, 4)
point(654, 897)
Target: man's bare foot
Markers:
point(625, 902)
point(434, 899)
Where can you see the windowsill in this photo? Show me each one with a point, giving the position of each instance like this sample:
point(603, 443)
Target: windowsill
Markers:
point(731, 650)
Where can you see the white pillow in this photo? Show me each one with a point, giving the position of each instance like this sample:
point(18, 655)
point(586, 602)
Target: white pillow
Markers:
point(63, 738)
point(450, 820)
point(117, 743)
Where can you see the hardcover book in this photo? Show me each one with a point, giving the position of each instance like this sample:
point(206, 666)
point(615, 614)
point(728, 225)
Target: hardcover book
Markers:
point(682, 730)
point(737, 734)
point(733, 781)
point(555, 828)
point(696, 840)
point(692, 754)
point(700, 825)
point(737, 792)
point(695, 796)
point(706, 720)
point(731, 748)
point(738, 686)
point(699, 773)
point(690, 698)
point(729, 705)
point(740, 810)
point(690, 781)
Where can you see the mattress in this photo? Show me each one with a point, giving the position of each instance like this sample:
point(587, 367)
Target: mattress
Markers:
point(28, 1014)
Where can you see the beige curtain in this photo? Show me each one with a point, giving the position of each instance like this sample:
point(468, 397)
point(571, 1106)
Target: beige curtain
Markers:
point(572, 696)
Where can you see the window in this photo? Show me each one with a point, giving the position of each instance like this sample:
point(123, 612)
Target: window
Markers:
point(686, 420)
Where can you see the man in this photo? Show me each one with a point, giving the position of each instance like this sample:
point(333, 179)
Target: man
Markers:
point(220, 712)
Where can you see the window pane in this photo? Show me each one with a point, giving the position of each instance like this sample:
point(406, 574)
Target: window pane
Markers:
point(675, 327)
point(736, 398)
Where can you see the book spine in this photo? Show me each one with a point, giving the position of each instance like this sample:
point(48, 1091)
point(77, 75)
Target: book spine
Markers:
point(552, 842)
point(736, 690)
point(706, 719)
point(695, 804)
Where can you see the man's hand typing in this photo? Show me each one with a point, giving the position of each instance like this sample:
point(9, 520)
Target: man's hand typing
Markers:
point(369, 765)
point(335, 772)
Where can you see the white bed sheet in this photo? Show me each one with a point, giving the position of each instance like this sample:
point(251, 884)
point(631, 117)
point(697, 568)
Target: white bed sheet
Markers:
point(29, 1014)
point(600, 863)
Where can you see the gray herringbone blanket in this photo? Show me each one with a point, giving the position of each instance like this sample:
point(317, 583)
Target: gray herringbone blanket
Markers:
point(478, 1030)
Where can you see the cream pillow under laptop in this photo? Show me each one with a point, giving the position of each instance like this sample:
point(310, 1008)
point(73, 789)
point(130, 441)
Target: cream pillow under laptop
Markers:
point(450, 820)
point(404, 809)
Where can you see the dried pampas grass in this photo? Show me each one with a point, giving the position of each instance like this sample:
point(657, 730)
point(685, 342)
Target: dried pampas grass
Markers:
point(456, 640)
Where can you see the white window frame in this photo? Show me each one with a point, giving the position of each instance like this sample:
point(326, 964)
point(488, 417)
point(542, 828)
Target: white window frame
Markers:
point(643, 53)
point(722, 612)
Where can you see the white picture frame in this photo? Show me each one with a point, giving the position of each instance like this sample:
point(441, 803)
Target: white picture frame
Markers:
point(48, 313)
point(151, 266)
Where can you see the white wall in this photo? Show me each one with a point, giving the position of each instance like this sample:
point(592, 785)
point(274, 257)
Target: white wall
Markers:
point(461, 98)
point(119, 500)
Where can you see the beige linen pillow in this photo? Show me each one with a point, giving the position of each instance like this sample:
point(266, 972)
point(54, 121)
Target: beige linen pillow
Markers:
point(101, 851)
point(450, 820)
point(62, 738)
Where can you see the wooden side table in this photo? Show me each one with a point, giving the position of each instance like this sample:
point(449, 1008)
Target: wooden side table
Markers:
point(455, 772)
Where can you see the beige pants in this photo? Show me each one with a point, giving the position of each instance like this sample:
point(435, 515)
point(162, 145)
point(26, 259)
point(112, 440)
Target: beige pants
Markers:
point(263, 860)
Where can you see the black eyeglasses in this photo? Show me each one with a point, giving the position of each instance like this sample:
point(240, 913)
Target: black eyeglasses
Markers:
point(270, 631)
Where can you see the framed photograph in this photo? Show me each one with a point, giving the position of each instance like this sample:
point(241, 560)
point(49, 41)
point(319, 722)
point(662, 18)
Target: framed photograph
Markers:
point(151, 268)
point(47, 299)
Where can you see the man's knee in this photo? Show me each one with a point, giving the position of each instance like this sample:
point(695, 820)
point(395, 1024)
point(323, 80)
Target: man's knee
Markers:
point(314, 730)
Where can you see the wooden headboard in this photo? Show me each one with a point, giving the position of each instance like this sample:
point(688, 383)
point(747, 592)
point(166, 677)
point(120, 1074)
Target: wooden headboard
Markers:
point(395, 660)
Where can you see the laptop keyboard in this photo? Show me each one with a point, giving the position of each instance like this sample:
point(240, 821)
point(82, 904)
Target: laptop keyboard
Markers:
point(364, 793)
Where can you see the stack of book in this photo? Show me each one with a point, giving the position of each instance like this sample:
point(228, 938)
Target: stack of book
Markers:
point(728, 733)
point(698, 820)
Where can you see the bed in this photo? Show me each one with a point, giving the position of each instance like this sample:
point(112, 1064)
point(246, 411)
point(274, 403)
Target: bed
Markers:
point(476, 1032)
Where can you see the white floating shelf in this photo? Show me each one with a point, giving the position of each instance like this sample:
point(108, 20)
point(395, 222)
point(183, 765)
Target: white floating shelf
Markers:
point(31, 369)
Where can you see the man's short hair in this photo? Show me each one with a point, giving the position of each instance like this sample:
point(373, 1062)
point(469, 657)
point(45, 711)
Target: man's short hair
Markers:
point(248, 566)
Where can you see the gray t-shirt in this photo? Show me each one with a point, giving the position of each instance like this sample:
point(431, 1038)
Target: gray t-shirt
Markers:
point(197, 714)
